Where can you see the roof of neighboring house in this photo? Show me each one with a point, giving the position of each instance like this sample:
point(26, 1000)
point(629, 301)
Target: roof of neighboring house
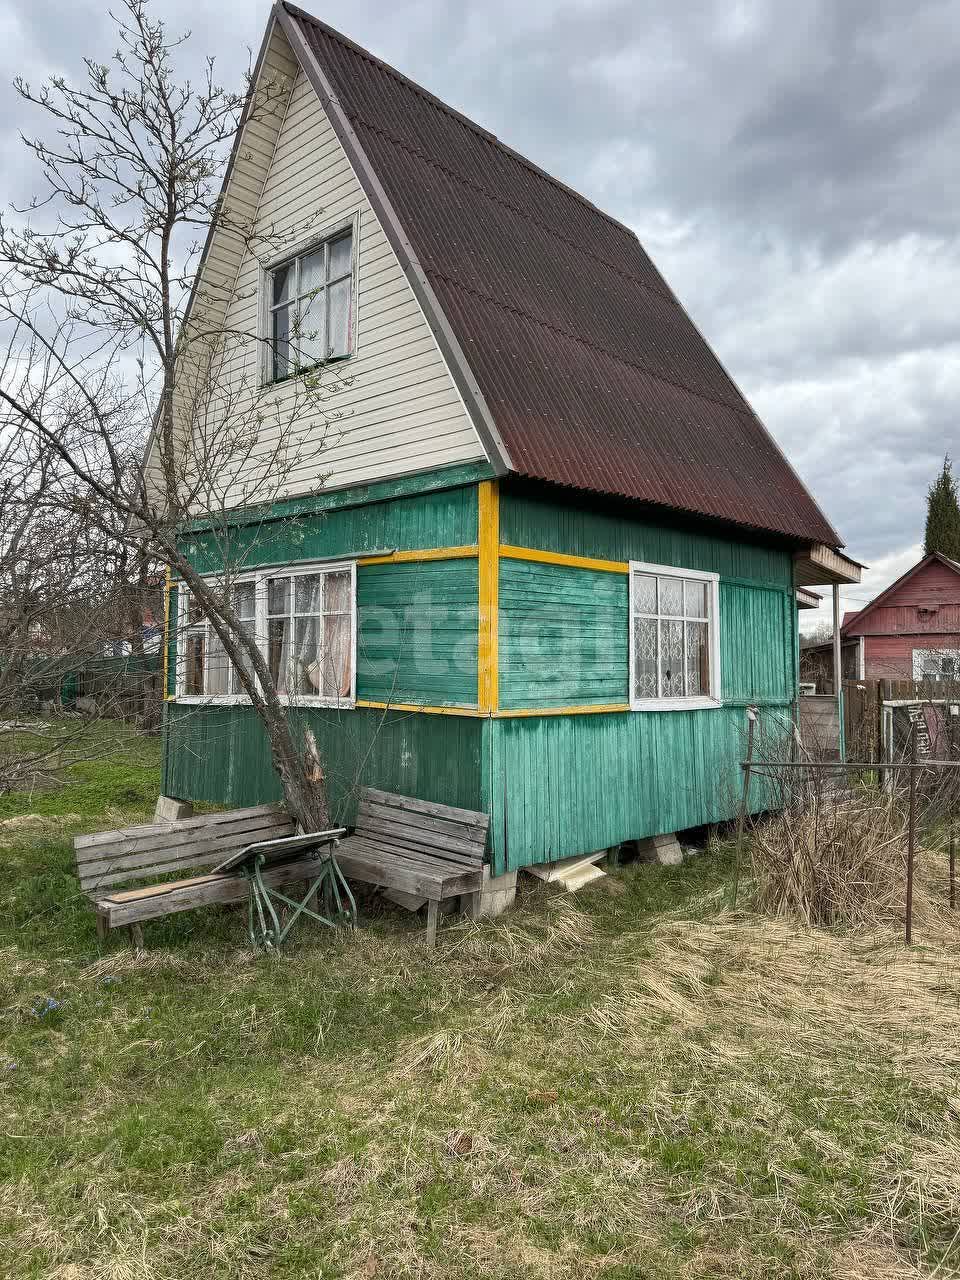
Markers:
point(860, 616)
point(591, 371)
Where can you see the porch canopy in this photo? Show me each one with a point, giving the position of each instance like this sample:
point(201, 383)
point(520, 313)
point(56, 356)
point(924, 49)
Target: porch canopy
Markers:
point(818, 566)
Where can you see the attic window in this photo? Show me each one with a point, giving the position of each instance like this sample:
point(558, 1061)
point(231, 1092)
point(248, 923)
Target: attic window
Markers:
point(674, 638)
point(310, 300)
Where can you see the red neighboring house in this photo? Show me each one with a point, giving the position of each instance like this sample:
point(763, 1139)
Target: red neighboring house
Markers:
point(911, 630)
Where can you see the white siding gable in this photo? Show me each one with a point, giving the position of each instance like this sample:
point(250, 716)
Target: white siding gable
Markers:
point(401, 411)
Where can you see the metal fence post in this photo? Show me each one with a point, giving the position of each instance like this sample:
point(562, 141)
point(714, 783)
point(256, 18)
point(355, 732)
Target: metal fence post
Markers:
point(911, 833)
point(744, 800)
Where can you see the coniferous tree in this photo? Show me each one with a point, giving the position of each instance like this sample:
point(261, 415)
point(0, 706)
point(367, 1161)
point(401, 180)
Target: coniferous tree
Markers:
point(943, 515)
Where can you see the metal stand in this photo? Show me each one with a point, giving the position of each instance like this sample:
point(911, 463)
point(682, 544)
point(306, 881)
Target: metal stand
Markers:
point(263, 921)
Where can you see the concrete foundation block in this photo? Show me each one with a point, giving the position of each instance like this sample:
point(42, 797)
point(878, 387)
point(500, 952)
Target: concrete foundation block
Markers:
point(664, 849)
point(496, 895)
point(170, 810)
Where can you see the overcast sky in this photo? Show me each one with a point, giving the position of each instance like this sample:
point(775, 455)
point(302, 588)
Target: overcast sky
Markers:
point(791, 167)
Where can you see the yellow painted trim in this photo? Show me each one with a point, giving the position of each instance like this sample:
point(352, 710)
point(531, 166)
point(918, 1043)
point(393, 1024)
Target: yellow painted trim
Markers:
point(523, 712)
point(167, 696)
point(432, 553)
point(416, 706)
point(564, 711)
point(488, 646)
point(557, 557)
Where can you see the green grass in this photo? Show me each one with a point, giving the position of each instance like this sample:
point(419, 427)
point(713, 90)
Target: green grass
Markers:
point(633, 1085)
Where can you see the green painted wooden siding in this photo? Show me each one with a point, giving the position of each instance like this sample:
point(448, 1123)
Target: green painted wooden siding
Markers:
point(417, 632)
point(528, 519)
point(555, 786)
point(564, 636)
point(756, 644)
point(417, 621)
point(447, 518)
point(219, 755)
point(561, 785)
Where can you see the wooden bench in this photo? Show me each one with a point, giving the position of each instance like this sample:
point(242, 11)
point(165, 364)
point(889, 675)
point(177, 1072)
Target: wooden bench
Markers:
point(430, 851)
point(109, 859)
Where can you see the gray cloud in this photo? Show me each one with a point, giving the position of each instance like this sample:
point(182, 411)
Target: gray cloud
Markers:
point(791, 168)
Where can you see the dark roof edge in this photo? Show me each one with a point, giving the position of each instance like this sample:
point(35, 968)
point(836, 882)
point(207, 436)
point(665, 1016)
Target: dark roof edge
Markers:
point(878, 600)
point(447, 341)
point(458, 115)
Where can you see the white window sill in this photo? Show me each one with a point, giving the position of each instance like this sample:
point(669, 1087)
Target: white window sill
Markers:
point(241, 700)
point(675, 704)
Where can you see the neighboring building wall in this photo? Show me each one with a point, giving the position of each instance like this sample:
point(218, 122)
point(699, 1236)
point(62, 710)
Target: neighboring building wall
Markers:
point(897, 657)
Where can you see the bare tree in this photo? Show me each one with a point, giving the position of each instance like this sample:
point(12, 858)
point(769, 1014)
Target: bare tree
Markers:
point(110, 342)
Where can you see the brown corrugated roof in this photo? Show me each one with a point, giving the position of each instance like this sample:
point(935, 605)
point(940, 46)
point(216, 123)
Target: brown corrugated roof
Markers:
point(593, 374)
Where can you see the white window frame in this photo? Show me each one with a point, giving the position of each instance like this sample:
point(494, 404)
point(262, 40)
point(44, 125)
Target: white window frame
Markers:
point(261, 629)
point(697, 701)
point(265, 296)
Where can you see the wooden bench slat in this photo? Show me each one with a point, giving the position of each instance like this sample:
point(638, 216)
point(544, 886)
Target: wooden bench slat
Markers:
point(454, 827)
point(396, 833)
point(182, 824)
point(165, 846)
point(390, 853)
point(119, 875)
point(357, 864)
point(428, 807)
point(200, 891)
point(399, 820)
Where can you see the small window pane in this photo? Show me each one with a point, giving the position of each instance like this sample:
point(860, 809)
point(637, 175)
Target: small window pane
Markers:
point(308, 593)
point(282, 282)
point(218, 668)
point(341, 256)
point(645, 658)
point(193, 675)
point(337, 598)
point(307, 338)
point(340, 295)
point(336, 656)
point(278, 651)
point(278, 596)
point(243, 600)
point(695, 598)
point(308, 672)
point(281, 343)
point(644, 593)
point(311, 272)
point(698, 659)
point(671, 597)
point(671, 659)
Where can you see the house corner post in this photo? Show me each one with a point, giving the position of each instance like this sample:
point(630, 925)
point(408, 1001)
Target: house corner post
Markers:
point(488, 544)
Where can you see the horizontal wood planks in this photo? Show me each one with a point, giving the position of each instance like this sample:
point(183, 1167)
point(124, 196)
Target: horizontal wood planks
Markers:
point(119, 857)
point(200, 891)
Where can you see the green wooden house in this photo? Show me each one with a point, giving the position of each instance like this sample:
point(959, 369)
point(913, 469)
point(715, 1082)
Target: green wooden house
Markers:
point(549, 556)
